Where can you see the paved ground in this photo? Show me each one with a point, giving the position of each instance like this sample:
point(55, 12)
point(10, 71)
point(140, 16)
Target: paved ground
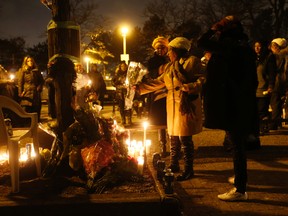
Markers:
point(267, 173)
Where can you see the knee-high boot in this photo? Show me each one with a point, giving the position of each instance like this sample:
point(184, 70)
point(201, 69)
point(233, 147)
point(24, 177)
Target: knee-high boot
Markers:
point(174, 153)
point(163, 141)
point(129, 115)
point(123, 114)
point(188, 148)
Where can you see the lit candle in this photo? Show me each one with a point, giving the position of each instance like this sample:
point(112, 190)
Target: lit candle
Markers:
point(145, 125)
point(126, 82)
point(23, 155)
point(140, 161)
point(131, 146)
point(12, 76)
point(89, 83)
point(139, 149)
point(148, 146)
point(4, 157)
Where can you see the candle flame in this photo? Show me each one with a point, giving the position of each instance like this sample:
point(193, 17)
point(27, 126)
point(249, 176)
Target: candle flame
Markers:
point(145, 125)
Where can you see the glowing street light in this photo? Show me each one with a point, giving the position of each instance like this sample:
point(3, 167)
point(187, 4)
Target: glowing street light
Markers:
point(87, 60)
point(124, 31)
point(124, 56)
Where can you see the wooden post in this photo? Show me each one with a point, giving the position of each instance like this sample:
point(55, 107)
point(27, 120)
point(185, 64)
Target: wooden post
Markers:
point(63, 42)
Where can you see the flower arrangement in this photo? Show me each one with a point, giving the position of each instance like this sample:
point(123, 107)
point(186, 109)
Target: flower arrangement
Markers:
point(135, 73)
point(95, 146)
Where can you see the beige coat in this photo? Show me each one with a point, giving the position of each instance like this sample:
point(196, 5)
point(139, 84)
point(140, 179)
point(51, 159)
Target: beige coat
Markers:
point(177, 123)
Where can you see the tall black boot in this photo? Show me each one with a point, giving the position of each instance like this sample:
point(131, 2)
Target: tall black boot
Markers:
point(122, 113)
point(174, 153)
point(129, 115)
point(163, 141)
point(123, 120)
point(123, 117)
point(188, 148)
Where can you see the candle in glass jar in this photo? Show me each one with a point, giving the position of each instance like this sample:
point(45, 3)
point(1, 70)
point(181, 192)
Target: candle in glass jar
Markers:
point(148, 146)
point(140, 161)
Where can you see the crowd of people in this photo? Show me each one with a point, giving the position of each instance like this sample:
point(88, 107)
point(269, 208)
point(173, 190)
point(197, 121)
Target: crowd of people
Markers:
point(238, 83)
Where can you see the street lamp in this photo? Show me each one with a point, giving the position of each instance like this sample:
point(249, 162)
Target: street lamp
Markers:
point(124, 56)
point(87, 60)
point(124, 32)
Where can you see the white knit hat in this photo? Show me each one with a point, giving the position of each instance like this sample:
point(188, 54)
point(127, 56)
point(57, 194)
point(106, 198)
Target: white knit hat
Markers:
point(180, 43)
point(160, 40)
point(281, 42)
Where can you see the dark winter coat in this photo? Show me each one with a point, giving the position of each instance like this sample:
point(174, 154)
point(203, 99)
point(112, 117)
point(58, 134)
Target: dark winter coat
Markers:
point(157, 99)
point(30, 84)
point(98, 84)
point(266, 73)
point(230, 92)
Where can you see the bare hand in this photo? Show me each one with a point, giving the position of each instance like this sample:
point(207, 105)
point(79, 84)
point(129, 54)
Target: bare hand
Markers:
point(185, 87)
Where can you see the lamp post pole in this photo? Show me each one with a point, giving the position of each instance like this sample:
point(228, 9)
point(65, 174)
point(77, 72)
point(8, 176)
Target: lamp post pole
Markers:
point(124, 56)
point(124, 44)
point(87, 59)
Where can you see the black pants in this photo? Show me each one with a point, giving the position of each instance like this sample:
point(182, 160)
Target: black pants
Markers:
point(239, 140)
point(263, 107)
point(276, 105)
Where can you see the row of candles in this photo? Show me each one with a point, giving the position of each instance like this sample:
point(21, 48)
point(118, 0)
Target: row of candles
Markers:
point(140, 149)
point(136, 149)
point(26, 153)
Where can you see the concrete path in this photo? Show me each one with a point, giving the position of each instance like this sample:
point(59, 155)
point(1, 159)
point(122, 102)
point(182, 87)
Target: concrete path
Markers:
point(267, 173)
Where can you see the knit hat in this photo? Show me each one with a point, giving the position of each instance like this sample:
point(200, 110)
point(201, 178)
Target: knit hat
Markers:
point(160, 40)
point(180, 43)
point(281, 42)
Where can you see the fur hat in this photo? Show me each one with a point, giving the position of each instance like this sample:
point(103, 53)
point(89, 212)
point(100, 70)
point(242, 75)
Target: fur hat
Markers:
point(180, 43)
point(281, 42)
point(160, 40)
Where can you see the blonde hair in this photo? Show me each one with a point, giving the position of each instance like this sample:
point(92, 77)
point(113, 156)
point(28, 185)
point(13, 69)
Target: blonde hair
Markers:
point(24, 64)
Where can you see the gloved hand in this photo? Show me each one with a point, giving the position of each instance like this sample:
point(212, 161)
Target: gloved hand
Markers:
point(223, 24)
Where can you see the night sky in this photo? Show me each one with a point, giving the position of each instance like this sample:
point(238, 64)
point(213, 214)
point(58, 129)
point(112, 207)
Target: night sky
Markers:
point(29, 18)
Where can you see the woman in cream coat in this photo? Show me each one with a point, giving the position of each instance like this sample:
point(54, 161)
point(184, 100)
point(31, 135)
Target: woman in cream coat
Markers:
point(183, 80)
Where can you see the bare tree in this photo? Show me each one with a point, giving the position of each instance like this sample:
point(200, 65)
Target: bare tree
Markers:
point(173, 13)
point(279, 8)
point(84, 13)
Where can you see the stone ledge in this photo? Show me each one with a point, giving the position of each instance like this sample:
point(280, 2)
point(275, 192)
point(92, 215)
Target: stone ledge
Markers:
point(130, 204)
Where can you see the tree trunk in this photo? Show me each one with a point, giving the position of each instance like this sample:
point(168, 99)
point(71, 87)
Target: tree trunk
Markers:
point(63, 42)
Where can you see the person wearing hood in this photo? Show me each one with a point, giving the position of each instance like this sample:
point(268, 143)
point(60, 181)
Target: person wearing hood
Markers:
point(278, 48)
point(266, 74)
point(230, 93)
point(183, 80)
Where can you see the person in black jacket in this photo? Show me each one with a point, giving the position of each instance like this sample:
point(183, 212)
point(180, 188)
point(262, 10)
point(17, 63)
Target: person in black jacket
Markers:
point(266, 75)
point(30, 86)
point(157, 100)
point(121, 91)
point(279, 49)
point(230, 93)
point(98, 84)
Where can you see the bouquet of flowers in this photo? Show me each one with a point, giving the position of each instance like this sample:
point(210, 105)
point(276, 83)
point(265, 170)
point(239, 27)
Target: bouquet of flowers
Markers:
point(96, 146)
point(135, 73)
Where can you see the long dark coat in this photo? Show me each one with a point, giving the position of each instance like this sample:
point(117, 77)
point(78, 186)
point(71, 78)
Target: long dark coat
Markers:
point(157, 99)
point(30, 83)
point(230, 89)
